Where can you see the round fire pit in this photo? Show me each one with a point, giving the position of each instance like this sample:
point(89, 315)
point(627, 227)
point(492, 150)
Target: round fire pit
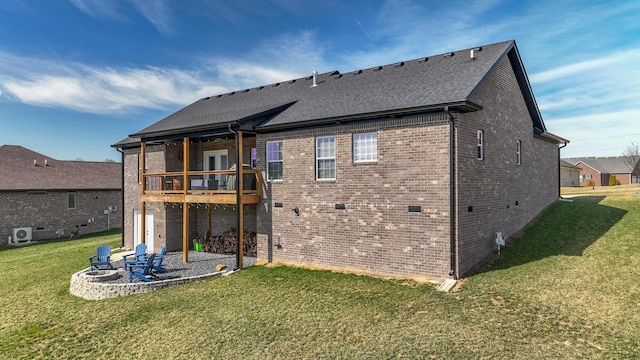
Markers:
point(100, 275)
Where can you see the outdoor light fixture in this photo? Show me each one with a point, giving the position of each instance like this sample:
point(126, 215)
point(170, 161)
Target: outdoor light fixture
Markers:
point(297, 211)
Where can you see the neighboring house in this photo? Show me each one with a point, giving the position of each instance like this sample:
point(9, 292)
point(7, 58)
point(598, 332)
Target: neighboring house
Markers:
point(596, 171)
point(404, 169)
point(44, 198)
point(569, 174)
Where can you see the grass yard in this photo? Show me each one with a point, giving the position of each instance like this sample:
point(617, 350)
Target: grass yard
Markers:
point(568, 288)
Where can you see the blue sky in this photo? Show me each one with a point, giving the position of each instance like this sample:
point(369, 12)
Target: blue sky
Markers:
point(79, 75)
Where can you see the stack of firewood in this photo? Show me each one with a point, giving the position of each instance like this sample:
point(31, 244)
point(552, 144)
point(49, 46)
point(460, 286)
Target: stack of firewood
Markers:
point(227, 243)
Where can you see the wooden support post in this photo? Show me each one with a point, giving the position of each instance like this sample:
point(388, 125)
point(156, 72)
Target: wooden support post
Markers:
point(240, 190)
point(143, 183)
point(185, 205)
point(208, 220)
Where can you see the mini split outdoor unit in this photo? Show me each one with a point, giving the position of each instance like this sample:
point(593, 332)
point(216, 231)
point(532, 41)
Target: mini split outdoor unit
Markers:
point(21, 234)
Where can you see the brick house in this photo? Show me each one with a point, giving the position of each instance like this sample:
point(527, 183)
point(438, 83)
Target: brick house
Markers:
point(39, 195)
point(596, 171)
point(407, 169)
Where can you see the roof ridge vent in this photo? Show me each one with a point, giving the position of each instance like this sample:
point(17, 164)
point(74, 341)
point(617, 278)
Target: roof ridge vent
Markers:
point(472, 52)
point(314, 75)
point(378, 68)
point(399, 64)
point(451, 54)
point(423, 59)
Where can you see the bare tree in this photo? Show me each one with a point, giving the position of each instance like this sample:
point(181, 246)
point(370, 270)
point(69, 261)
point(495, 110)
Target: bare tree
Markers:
point(632, 155)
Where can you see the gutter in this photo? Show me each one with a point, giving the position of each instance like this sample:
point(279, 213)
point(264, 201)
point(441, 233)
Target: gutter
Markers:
point(452, 196)
point(122, 192)
point(559, 181)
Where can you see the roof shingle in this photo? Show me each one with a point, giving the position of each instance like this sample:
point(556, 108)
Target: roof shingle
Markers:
point(414, 85)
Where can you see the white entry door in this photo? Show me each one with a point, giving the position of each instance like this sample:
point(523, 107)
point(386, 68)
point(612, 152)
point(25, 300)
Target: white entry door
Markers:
point(148, 236)
point(216, 160)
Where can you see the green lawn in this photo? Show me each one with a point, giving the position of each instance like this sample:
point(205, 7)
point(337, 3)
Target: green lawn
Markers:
point(568, 288)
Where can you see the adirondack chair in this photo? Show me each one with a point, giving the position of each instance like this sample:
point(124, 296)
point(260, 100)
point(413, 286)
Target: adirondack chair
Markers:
point(101, 259)
point(142, 269)
point(157, 266)
point(139, 255)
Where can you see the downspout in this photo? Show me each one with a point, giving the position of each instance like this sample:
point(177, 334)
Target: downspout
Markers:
point(559, 182)
point(122, 194)
point(452, 195)
point(237, 196)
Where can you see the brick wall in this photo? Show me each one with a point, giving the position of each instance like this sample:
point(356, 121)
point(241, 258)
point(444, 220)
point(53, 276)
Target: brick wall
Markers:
point(496, 194)
point(375, 232)
point(47, 211)
point(595, 178)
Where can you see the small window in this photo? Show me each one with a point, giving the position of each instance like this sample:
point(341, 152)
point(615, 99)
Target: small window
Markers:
point(254, 158)
point(518, 152)
point(326, 158)
point(72, 200)
point(480, 145)
point(587, 176)
point(274, 160)
point(365, 147)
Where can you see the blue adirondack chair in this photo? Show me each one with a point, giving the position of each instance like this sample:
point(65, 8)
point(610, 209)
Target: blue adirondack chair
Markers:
point(157, 266)
point(142, 269)
point(139, 255)
point(102, 259)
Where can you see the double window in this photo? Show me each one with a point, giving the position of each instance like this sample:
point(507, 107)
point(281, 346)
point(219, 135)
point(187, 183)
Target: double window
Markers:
point(326, 158)
point(274, 160)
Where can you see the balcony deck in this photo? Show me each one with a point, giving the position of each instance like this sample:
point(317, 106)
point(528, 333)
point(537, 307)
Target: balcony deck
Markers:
point(207, 187)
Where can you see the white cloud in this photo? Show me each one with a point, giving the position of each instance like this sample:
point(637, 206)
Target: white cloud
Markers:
point(99, 8)
point(100, 90)
point(605, 134)
point(157, 12)
point(94, 89)
point(623, 58)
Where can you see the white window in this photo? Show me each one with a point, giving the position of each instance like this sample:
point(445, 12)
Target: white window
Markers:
point(326, 158)
point(254, 158)
point(71, 200)
point(274, 160)
point(480, 145)
point(518, 152)
point(588, 176)
point(365, 147)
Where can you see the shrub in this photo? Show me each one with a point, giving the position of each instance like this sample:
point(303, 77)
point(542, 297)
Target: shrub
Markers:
point(612, 180)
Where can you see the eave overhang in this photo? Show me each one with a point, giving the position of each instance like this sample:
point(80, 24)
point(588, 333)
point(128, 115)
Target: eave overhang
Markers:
point(463, 106)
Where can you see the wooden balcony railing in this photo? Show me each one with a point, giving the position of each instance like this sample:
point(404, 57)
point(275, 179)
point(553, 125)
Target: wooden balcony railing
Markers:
point(202, 187)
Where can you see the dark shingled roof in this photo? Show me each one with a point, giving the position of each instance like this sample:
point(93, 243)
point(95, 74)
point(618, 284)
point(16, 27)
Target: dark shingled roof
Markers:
point(565, 163)
point(420, 85)
point(17, 172)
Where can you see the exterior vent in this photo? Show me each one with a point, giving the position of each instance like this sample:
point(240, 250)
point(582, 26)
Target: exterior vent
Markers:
point(472, 52)
point(21, 234)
